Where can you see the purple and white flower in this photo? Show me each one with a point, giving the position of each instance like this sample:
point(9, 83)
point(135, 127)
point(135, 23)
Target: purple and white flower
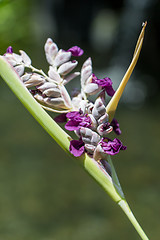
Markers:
point(87, 119)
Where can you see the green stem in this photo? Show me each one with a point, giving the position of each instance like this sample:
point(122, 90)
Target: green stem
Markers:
point(124, 206)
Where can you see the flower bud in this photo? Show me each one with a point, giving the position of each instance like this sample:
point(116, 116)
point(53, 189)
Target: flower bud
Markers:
point(92, 88)
point(65, 96)
point(89, 136)
point(52, 92)
point(67, 67)
point(31, 80)
point(55, 102)
point(46, 85)
point(98, 109)
point(39, 98)
point(26, 77)
point(19, 69)
point(25, 58)
point(86, 71)
point(62, 57)
point(54, 75)
point(51, 50)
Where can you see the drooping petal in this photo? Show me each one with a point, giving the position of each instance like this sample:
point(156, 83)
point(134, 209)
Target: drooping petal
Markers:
point(61, 118)
point(72, 125)
point(73, 114)
point(112, 147)
point(115, 126)
point(110, 91)
point(105, 83)
point(76, 147)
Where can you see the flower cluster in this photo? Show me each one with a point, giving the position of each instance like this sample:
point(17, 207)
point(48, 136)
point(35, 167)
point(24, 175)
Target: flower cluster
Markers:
point(92, 128)
point(89, 120)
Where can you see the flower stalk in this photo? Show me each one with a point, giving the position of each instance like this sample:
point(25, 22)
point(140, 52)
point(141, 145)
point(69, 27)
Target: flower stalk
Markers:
point(91, 122)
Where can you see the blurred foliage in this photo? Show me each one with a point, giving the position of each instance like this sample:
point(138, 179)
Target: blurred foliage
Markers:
point(15, 24)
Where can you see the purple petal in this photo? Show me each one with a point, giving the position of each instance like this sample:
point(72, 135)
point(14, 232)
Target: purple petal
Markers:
point(61, 118)
point(9, 50)
point(112, 147)
point(76, 51)
point(72, 125)
point(110, 91)
point(123, 147)
point(115, 126)
point(106, 83)
point(77, 120)
point(76, 147)
point(72, 115)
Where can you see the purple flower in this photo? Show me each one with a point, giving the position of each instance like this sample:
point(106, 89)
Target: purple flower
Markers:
point(76, 51)
point(115, 126)
point(9, 50)
point(105, 83)
point(61, 118)
point(112, 147)
point(77, 120)
point(76, 147)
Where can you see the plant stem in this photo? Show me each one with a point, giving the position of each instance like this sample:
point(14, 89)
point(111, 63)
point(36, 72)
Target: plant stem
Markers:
point(124, 206)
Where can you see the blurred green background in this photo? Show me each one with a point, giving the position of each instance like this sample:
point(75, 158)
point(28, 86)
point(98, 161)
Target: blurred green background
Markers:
point(43, 194)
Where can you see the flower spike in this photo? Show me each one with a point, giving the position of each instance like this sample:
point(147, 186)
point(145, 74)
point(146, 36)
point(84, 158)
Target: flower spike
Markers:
point(90, 120)
point(112, 105)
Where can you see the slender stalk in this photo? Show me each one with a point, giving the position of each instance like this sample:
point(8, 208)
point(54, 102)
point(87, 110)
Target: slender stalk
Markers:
point(123, 203)
point(124, 206)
